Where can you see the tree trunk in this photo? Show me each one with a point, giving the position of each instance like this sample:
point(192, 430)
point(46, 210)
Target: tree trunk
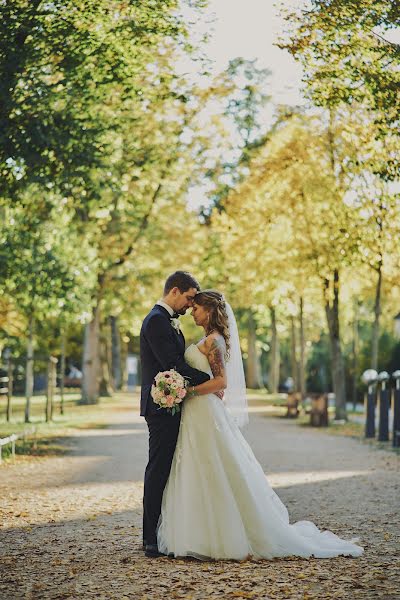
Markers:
point(62, 370)
point(51, 387)
point(377, 314)
point(274, 365)
point(10, 374)
point(355, 355)
point(124, 357)
point(106, 388)
point(253, 371)
point(91, 360)
point(293, 351)
point(29, 370)
point(331, 300)
point(302, 365)
point(116, 354)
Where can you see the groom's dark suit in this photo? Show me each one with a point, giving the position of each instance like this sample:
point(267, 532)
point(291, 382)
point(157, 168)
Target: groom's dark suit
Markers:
point(161, 348)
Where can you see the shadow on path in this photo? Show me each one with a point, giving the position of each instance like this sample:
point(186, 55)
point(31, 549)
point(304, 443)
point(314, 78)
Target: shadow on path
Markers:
point(72, 525)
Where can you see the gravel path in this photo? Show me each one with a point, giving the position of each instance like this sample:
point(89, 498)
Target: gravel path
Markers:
point(71, 525)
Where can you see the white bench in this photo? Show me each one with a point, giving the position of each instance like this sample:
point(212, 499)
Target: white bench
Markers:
point(11, 439)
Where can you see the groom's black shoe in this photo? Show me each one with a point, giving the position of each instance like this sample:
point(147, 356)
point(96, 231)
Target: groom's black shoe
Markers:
point(152, 551)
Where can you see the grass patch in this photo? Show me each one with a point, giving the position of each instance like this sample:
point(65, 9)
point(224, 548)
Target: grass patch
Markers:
point(266, 398)
point(348, 429)
point(47, 439)
point(356, 430)
point(91, 425)
point(36, 447)
point(75, 415)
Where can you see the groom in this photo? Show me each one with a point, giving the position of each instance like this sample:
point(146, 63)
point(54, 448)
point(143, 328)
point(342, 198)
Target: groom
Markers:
point(162, 347)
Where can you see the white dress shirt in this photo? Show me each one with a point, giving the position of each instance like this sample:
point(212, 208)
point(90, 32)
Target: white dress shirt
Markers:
point(166, 306)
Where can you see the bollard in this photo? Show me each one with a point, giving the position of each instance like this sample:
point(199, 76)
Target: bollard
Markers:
point(396, 410)
point(384, 403)
point(370, 377)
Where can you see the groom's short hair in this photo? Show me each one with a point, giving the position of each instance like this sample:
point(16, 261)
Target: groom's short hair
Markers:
point(182, 280)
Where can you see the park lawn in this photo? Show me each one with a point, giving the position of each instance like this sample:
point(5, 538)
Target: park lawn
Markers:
point(38, 407)
point(348, 428)
point(275, 406)
point(266, 397)
point(46, 438)
point(77, 416)
point(272, 405)
point(356, 430)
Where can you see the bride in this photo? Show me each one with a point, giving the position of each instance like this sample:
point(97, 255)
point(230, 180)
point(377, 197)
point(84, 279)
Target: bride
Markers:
point(217, 502)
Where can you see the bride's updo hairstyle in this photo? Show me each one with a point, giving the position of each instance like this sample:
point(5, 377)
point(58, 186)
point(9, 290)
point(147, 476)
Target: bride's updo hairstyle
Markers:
point(214, 303)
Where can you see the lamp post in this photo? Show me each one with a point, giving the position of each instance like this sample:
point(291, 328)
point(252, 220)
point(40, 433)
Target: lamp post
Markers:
point(384, 396)
point(396, 410)
point(370, 377)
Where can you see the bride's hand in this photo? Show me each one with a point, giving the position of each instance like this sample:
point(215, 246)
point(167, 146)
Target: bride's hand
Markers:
point(220, 394)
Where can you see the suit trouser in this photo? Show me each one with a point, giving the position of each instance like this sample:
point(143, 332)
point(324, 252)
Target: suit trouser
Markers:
point(163, 435)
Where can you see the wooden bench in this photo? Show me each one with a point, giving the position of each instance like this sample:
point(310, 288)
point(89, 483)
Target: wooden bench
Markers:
point(292, 405)
point(319, 410)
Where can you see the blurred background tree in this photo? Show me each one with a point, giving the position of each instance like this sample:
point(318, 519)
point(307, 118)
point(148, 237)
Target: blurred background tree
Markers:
point(111, 119)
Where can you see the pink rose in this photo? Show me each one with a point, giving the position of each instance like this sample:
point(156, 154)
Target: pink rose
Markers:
point(155, 393)
point(181, 393)
point(170, 401)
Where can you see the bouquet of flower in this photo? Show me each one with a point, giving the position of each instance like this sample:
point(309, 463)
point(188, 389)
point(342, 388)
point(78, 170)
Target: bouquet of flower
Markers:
point(169, 390)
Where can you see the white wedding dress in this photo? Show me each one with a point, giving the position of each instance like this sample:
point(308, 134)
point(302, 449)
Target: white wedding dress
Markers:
point(218, 503)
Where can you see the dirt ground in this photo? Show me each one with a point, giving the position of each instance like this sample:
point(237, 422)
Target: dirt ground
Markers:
point(71, 525)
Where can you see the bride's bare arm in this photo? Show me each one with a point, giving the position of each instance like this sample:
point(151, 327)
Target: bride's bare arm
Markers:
point(214, 349)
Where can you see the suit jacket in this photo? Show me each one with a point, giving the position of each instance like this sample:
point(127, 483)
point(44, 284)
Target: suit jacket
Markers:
point(162, 348)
